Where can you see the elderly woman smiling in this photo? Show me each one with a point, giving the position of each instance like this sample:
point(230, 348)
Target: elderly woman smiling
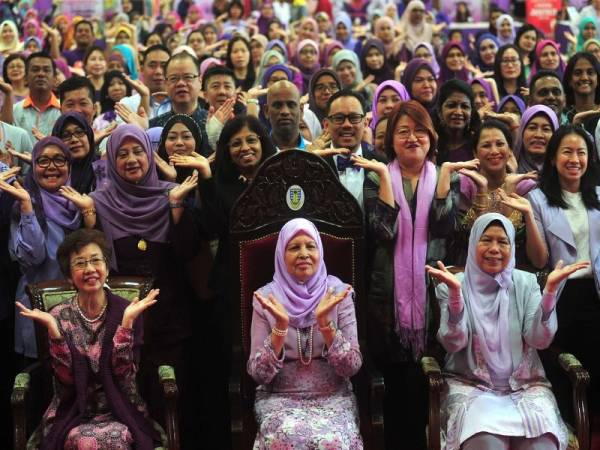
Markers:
point(95, 345)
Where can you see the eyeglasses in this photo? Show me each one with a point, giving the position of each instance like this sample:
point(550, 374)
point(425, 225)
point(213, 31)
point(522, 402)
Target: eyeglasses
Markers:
point(187, 78)
point(81, 264)
point(44, 161)
point(66, 136)
point(405, 133)
point(508, 61)
point(326, 87)
point(339, 119)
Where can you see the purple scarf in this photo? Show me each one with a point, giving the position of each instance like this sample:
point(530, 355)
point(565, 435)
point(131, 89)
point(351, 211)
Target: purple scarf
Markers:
point(300, 300)
point(446, 73)
point(389, 84)
point(434, 63)
point(487, 88)
point(525, 162)
point(55, 207)
point(410, 256)
point(127, 209)
point(487, 299)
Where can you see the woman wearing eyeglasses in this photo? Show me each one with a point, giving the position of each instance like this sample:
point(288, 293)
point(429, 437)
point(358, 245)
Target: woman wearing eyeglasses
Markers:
point(95, 343)
point(406, 220)
point(41, 219)
point(509, 71)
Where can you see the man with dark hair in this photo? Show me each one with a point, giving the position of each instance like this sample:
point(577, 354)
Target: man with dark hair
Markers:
point(84, 38)
point(154, 63)
point(283, 111)
point(183, 88)
point(40, 108)
point(77, 94)
point(545, 88)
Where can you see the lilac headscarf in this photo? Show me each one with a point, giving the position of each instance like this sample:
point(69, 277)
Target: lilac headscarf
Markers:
point(487, 299)
point(53, 205)
point(412, 68)
point(518, 100)
point(477, 58)
point(344, 18)
point(279, 43)
point(127, 209)
point(154, 134)
point(487, 88)
point(503, 41)
point(389, 84)
point(445, 72)
point(330, 47)
point(300, 299)
point(525, 163)
point(434, 63)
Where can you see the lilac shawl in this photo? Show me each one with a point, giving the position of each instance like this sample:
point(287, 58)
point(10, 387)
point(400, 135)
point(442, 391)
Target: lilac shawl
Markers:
point(445, 72)
point(434, 62)
point(127, 209)
point(299, 300)
point(518, 101)
point(389, 84)
point(410, 255)
point(525, 163)
point(487, 298)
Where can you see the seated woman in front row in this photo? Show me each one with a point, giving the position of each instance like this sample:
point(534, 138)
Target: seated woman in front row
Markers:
point(95, 343)
point(304, 348)
point(493, 320)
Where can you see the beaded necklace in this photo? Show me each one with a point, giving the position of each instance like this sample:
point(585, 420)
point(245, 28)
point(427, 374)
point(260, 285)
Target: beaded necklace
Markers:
point(310, 347)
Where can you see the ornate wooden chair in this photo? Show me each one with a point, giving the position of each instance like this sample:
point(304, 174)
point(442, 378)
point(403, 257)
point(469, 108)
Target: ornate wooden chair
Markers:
point(296, 184)
point(46, 296)
point(579, 438)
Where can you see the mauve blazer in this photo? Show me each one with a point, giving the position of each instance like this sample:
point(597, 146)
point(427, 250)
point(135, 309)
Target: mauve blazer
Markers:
point(560, 242)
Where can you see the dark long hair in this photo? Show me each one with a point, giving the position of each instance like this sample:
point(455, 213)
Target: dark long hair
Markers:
point(106, 103)
point(521, 80)
point(550, 183)
point(248, 82)
point(569, 93)
point(524, 29)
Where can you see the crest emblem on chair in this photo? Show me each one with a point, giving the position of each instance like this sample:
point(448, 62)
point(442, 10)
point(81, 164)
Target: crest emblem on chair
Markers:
point(295, 197)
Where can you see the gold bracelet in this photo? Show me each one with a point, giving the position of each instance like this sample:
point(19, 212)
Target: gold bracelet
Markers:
point(88, 212)
point(277, 332)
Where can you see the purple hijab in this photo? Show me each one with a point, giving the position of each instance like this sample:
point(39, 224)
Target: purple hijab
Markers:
point(410, 72)
point(390, 84)
point(487, 88)
point(524, 160)
point(445, 72)
point(52, 205)
point(487, 299)
point(300, 299)
point(518, 101)
point(127, 209)
point(434, 63)
point(329, 48)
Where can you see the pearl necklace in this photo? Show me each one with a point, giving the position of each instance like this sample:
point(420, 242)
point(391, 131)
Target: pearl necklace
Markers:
point(83, 316)
point(310, 347)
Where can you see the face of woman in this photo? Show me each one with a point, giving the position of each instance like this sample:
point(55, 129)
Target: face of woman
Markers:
point(510, 107)
point(245, 150)
point(75, 138)
point(456, 111)
point(589, 31)
point(388, 98)
point(116, 89)
point(32, 47)
point(374, 59)
point(347, 73)
point(210, 36)
point(528, 40)
point(416, 16)
point(331, 55)
point(455, 59)
point(505, 29)
point(180, 140)
point(307, 30)
point(235, 12)
point(115, 64)
point(153, 39)
point(385, 32)
point(278, 75)
point(423, 52)
point(273, 32)
point(594, 49)
point(424, 87)
point(487, 51)
point(341, 32)
point(51, 169)
point(411, 142)
point(89, 269)
point(571, 159)
point(193, 16)
point(122, 38)
point(492, 150)
point(380, 137)
point(549, 58)
point(325, 87)
point(132, 161)
point(324, 24)
point(30, 30)
point(480, 96)
point(584, 79)
point(256, 50)
point(196, 41)
point(510, 65)
point(536, 135)
point(240, 56)
point(173, 42)
point(15, 70)
point(302, 257)
point(492, 253)
point(307, 56)
point(8, 35)
point(96, 64)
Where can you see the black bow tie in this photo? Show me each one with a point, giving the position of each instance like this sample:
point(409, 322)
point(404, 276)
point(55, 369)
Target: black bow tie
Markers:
point(344, 162)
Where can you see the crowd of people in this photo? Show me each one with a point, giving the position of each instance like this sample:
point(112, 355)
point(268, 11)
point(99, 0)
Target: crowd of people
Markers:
point(126, 141)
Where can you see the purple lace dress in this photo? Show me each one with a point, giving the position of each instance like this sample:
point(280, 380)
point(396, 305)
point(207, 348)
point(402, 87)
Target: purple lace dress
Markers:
point(302, 406)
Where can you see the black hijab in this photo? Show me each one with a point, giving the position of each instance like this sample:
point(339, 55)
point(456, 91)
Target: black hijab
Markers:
point(182, 172)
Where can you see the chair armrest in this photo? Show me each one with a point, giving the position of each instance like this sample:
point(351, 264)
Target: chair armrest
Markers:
point(18, 400)
point(580, 379)
point(432, 371)
point(166, 376)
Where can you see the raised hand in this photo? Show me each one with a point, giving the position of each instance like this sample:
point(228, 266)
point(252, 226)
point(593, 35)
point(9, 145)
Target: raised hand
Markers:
point(82, 201)
point(225, 112)
point(321, 142)
point(6, 88)
point(166, 169)
point(511, 119)
point(370, 164)
point(105, 132)
point(44, 318)
point(513, 179)
point(561, 273)
point(179, 192)
point(479, 180)
point(137, 306)
point(276, 309)
point(138, 86)
point(16, 190)
point(327, 303)
point(457, 166)
point(257, 92)
point(443, 275)
point(128, 116)
point(514, 201)
point(23, 156)
point(581, 117)
point(194, 161)
point(37, 134)
point(8, 174)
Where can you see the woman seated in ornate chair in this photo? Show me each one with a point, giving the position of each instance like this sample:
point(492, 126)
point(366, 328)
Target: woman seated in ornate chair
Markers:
point(304, 349)
point(95, 343)
point(493, 320)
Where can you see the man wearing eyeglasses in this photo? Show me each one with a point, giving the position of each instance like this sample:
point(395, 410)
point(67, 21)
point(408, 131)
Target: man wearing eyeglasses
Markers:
point(346, 123)
point(183, 88)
